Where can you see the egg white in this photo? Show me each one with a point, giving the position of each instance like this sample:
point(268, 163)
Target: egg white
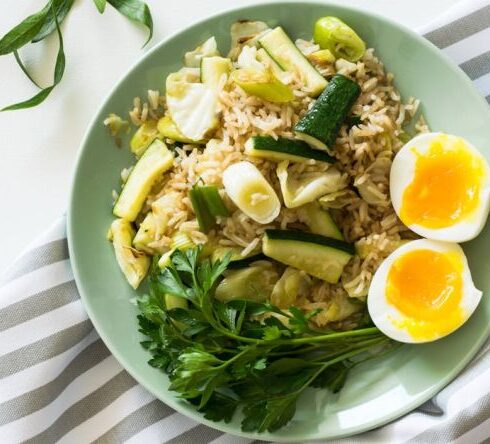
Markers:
point(402, 174)
point(386, 316)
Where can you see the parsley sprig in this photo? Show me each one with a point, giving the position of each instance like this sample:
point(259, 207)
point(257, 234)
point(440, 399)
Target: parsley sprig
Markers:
point(241, 354)
point(40, 25)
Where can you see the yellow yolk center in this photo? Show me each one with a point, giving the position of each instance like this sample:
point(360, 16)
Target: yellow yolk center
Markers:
point(426, 286)
point(446, 185)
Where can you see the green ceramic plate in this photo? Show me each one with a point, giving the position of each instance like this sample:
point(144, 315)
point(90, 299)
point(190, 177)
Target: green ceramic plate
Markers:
point(374, 394)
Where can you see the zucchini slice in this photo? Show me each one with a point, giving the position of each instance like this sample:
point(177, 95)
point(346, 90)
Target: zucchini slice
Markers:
point(155, 161)
point(320, 125)
point(266, 147)
point(319, 221)
point(213, 68)
point(282, 49)
point(320, 256)
point(250, 284)
point(133, 263)
point(143, 137)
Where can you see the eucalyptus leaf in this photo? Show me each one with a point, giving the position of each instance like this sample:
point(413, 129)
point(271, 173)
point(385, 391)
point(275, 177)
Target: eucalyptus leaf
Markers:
point(100, 5)
point(61, 9)
point(59, 69)
point(135, 10)
point(24, 32)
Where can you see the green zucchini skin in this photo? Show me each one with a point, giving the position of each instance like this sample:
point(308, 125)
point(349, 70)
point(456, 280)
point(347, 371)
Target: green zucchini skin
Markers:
point(296, 148)
point(302, 236)
point(323, 121)
point(245, 262)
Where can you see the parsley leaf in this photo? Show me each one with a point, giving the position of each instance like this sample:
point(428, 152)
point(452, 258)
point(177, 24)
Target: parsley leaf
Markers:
point(226, 356)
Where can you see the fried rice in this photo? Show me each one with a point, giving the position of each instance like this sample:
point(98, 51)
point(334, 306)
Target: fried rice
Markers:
point(363, 154)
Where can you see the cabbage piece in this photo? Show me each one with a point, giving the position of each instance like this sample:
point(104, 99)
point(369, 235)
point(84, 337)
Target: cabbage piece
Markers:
point(248, 59)
point(337, 307)
point(378, 172)
point(292, 285)
point(253, 283)
point(208, 49)
point(308, 186)
point(192, 106)
point(155, 222)
point(338, 199)
point(245, 33)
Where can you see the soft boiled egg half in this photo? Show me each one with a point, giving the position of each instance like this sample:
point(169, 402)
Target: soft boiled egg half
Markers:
point(440, 187)
point(422, 292)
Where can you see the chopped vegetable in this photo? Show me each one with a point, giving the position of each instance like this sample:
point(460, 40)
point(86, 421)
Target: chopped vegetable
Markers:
point(307, 187)
point(204, 217)
point(168, 129)
point(320, 256)
point(213, 200)
point(269, 63)
point(246, 261)
point(253, 283)
point(319, 221)
point(248, 59)
point(143, 136)
point(181, 241)
point(219, 253)
point(155, 161)
point(192, 106)
point(213, 69)
point(250, 192)
point(263, 84)
point(322, 57)
point(209, 48)
point(145, 233)
point(207, 204)
point(245, 33)
point(133, 263)
point(222, 359)
point(155, 222)
point(116, 124)
point(280, 47)
point(333, 34)
point(320, 125)
point(291, 285)
point(268, 147)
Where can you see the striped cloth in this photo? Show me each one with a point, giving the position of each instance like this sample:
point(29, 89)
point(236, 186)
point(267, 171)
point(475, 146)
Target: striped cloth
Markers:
point(58, 381)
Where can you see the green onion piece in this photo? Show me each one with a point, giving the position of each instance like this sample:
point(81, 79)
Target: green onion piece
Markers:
point(204, 217)
point(213, 200)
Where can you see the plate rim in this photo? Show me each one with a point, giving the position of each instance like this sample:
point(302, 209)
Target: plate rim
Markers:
point(173, 401)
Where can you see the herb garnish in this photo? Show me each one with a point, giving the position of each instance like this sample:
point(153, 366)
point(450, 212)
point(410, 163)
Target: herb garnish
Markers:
point(38, 26)
point(220, 357)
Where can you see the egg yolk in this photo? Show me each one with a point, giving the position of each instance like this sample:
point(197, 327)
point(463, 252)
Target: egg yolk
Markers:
point(446, 185)
point(426, 286)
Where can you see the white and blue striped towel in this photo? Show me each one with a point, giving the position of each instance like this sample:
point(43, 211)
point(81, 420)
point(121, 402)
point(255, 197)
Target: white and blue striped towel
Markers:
point(58, 381)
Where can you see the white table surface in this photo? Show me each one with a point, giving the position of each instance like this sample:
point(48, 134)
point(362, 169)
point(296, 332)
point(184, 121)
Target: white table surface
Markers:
point(38, 146)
